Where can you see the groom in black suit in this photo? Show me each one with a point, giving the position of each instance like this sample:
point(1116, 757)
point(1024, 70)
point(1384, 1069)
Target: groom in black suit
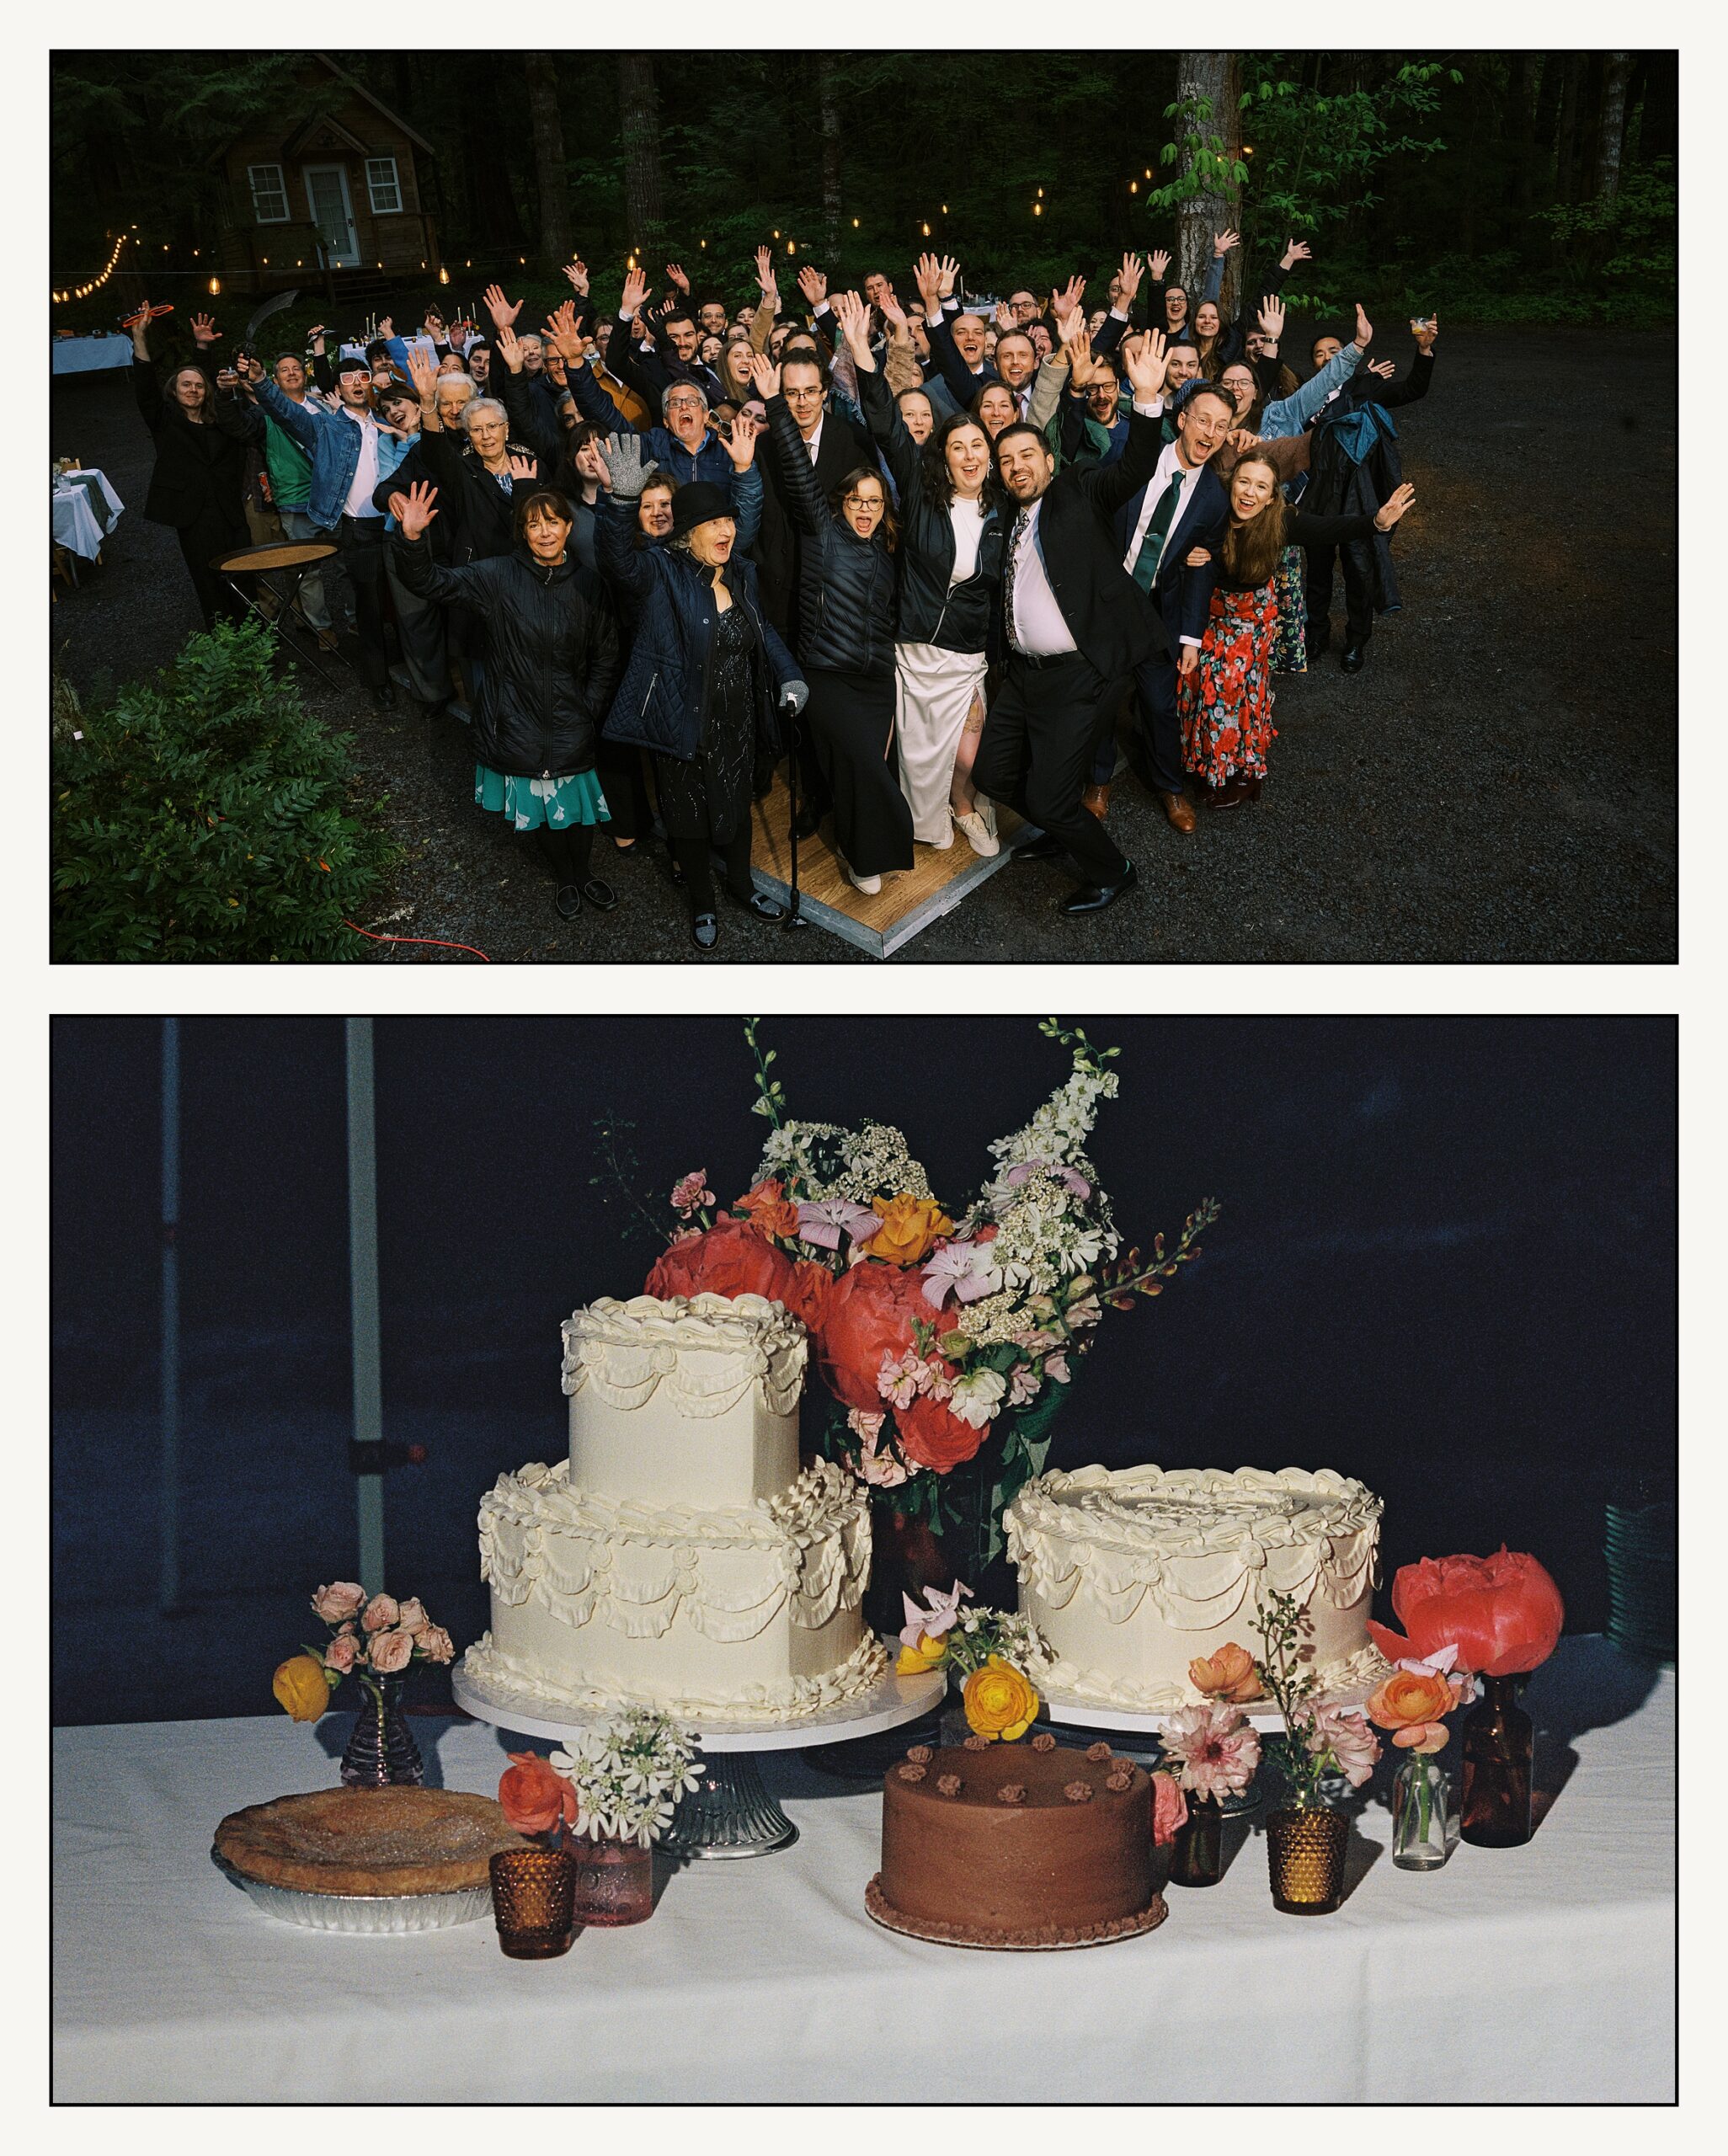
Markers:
point(1076, 626)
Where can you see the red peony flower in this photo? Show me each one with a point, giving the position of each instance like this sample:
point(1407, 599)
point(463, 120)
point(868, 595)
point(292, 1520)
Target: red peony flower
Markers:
point(869, 1314)
point(806, 1296)
point(931, 1437)
point(1503, 1613)
point(730, 1258)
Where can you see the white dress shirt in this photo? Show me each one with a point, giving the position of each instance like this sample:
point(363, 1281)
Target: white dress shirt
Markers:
point(365, 473)
point(1168, 466)
point(813, 443)
point(1039, 626)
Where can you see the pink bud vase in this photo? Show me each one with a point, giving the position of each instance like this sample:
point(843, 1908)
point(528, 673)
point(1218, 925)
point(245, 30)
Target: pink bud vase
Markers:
point(615, 1881)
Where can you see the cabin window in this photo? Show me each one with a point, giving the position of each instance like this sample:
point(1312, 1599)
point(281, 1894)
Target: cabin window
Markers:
point(269, 195)
point(383, 186)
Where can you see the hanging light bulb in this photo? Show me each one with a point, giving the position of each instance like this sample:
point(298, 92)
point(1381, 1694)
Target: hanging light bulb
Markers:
point(1148, 172)
point(702, 243)
point(791, 247)
point(1041, 195)
point(443, 274)
point(944, 209)
point(1037, 209)
point(216, 287)
point(854, 224)
point(926, 232)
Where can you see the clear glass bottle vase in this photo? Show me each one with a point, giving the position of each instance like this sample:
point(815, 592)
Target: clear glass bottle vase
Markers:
point(1419, 1813)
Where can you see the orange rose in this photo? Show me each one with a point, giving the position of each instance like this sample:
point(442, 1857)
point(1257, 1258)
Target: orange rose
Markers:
point(997, 1700)
point(1228, 1674)
point(909, 1228)
point(534, 1796)
point(768, 1209)
point(302, 1688)
point(1409, 1699)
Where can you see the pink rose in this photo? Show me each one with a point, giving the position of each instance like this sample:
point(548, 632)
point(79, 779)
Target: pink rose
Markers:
point(436, 1643)
point(413, 1617)
point(380, 1613)
point(341, 1598)
point(1170, 1809)
point(390, 1651)
point(342, 1652)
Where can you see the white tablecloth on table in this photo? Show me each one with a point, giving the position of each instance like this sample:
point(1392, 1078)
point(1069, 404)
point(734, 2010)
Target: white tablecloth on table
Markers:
point(89, 354)
point(76, 524)
point(1541, 1974)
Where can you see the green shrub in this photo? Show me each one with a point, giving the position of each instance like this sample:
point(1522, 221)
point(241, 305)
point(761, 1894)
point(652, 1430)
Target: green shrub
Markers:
point(208, 816)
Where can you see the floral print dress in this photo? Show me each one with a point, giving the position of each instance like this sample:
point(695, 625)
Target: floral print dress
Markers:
point(1226, 703)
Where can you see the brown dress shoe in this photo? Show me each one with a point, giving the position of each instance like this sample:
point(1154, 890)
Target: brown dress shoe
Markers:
point(1097, 799)
point(1180, 810)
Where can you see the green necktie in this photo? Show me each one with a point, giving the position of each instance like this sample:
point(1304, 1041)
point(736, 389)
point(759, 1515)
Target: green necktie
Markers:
point(1152, 545)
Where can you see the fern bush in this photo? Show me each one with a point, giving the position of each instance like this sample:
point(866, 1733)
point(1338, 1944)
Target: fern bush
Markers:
point(207, 815)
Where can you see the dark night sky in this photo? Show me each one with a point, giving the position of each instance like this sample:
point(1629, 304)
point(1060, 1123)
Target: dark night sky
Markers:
point(1446, 1263)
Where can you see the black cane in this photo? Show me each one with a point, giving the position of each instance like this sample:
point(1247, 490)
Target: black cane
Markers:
point(794, 919)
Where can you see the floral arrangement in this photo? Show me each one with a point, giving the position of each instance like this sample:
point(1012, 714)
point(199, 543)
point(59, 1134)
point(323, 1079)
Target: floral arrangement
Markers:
point(620, 1781)
point(995, 1652)
point(372, 1636)
point(1211, 1753)
point(1498, 1616)
point(948, 1334)
point(1319, 1740)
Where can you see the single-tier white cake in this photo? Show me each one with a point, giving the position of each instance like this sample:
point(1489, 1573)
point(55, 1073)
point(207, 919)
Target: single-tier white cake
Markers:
point(680, 1558)
point(1132, 1573)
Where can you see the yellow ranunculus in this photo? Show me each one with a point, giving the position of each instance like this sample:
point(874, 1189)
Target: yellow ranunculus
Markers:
point(915, 1660)
point(909, 1228)
point(999, 1701)
point(302, 1688)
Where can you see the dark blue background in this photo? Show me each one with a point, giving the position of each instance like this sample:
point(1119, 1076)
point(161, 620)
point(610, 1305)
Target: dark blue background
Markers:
point(1446, 1265)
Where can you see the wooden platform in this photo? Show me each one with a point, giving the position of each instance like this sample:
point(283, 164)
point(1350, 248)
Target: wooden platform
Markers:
point(933, 886)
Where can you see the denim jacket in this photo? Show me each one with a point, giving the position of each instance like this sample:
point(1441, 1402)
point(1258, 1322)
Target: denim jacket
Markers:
point(1289, 415)
point(331, 439)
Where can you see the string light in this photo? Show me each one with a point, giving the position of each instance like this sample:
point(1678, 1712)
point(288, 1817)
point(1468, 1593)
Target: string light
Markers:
point(1041, 195)
point(944, 209)
point(854, 224)
point(1133, 187)
point(216, 287)
point(443, 274)
point(926, 232)
point(83, 291)
point(1037, 209)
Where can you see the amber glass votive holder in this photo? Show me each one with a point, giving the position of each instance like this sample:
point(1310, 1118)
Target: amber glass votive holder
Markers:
point(533, 1902)
point(1305, 1847)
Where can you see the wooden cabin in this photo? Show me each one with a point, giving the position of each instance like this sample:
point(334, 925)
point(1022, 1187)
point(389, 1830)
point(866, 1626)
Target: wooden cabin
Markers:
point(339, 188)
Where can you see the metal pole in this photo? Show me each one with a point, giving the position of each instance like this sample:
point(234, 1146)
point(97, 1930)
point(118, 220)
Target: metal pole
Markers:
point(169, 1506)
point(363, 1296)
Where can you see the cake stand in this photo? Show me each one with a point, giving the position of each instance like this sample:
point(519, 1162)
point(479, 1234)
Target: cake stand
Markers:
point(731, 1814)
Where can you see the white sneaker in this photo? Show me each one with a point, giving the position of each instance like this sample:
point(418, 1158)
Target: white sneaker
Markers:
point(869, 885)
point(981, 839)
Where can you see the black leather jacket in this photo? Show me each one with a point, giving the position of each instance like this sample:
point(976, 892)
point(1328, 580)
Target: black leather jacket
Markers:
point(845, 584)
point(957, 618)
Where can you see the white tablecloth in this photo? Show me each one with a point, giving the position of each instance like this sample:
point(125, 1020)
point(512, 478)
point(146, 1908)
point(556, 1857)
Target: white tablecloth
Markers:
point(76, 524)
point(1539, 1974)
point(89, 354)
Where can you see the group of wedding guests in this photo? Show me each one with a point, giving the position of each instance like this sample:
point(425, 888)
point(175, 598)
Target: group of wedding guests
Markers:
point(934, 557)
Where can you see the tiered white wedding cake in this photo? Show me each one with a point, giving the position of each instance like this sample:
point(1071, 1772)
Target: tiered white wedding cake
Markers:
point(679, 1559)
point(1131, 1574)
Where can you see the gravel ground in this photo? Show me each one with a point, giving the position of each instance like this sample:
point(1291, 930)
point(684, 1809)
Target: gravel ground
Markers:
point(1486, 789)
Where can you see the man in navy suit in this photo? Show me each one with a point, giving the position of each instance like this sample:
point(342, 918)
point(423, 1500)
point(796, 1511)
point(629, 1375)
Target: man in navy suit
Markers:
point(1182, 506)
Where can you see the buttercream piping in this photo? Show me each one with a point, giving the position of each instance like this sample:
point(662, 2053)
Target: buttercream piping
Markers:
point(703, 1352)
point(861, 1670)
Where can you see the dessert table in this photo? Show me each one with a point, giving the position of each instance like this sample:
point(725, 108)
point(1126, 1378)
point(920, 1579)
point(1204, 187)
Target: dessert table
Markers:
point(1543, 1974)
point(90, 354)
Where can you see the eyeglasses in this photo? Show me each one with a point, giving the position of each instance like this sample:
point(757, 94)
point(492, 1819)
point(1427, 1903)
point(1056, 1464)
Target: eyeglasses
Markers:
point(803, 395)
point(860, 501)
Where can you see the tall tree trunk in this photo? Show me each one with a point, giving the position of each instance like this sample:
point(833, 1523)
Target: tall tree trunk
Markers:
point(550, 170)
point(639, 125)
point(1521, 103)
point(1611, 138)
point(497, 221)
point(1212, 79)
point(829, 98)
point(1659, 123)
point(1552, 66)
point(1565, 156)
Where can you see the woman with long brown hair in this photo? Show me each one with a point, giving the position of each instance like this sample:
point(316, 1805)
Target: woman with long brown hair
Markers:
point(197, 485)
point(1226, 703)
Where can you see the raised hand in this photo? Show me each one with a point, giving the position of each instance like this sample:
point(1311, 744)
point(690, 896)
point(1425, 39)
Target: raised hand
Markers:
point(893, 312)
point(522, 466)
point(674, 271)
point(415, 509)
point(630, 300)
point(764, 270)
point(1295, 251)
point(510, 348)
point(1160, 261)
point(1222, 242)
point(1271, 318)
point(423, 373)
point(226, 378)
point(1425, 333)
point(854, 319)
point(592, 465)
point(929, 277)
point(1130, 273)
point(252, 370)
point(1393, 507)
point(563, 335)
point(1005, 318)
point(387, 325)
point(433, 325)
point(1364, 329)
point(812, 285)
point(498, 308)
point(625, 475)
point(1064, 305)
point(577, 272)
point(765, 374)
point(1144, 357)
point(1242, 440)
point(1383, 368)
point(949, 271)
point(741, 444)
point(204, 330)
point(1077, 343)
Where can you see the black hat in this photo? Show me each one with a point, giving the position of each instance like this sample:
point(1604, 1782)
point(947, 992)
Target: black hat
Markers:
point(699, 503)
point(353, 363)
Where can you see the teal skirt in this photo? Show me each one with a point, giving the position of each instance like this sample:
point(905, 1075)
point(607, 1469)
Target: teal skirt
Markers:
point(528, 803)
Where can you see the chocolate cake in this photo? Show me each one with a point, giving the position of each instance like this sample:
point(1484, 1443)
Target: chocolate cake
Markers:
point(1016, 1845)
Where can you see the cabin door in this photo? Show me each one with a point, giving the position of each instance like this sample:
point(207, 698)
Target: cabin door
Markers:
point(332, 214)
